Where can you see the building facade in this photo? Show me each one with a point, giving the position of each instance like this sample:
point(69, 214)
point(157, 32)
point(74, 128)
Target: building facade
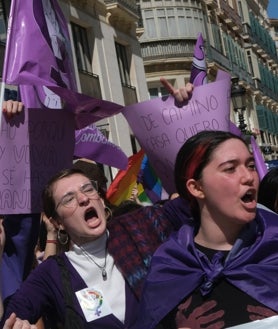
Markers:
point(121, 49)
point(107, 58)
point(239, 38)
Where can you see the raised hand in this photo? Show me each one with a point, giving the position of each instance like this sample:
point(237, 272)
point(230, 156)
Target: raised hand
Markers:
point(10, 108)
point(182, 94)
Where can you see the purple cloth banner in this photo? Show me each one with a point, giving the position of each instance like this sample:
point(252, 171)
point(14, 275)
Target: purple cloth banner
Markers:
point(86, 109)
point(90, 143)
point(198, 75)
point(34, 145)
point(47, 62)
point(161, 127)
point(38, 48)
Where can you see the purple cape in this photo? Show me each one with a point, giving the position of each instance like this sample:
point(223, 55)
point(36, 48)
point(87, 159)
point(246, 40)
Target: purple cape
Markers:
point(178, 268)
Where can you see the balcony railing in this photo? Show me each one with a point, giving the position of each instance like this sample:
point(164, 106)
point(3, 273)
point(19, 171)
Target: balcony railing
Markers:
point(229, 14)
point(127, 4)
point(167, 48)
point(90, 84)
point(130, 96)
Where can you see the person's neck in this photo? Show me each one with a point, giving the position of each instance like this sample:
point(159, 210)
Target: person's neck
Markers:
point(84, 241)
point(218, 237)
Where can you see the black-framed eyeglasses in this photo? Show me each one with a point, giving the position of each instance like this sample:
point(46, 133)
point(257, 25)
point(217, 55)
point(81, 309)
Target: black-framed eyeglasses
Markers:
point(70, 199)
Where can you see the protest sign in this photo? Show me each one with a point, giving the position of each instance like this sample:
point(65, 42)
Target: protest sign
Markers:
point(162, 126)
point(34, 145)
point(90, 143)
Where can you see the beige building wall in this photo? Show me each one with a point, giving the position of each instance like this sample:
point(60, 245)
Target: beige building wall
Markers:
point(105, 23)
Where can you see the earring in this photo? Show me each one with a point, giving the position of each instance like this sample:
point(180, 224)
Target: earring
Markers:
point(62, 237)
point(108, 213)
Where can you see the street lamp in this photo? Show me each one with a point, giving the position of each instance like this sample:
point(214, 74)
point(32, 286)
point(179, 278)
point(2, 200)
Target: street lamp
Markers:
point(239, 102)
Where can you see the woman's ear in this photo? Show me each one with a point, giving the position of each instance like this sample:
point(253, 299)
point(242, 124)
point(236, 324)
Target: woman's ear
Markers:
point(195, 188)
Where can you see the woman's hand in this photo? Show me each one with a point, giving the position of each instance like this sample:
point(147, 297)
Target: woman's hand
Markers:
point(10, 108)
point(15, 323)
point(182, 94)
point(50, 228)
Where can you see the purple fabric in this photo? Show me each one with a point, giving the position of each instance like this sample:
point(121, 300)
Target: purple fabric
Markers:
point(178, 269)
point(48, 61)
point(198, 75)
point(90, 143)
point(260, 164)
point(21, 237)
point(43, 290)
point(133, 239)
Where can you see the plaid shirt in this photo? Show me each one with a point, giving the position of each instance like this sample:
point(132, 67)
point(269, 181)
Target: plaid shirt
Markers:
point(135, 236)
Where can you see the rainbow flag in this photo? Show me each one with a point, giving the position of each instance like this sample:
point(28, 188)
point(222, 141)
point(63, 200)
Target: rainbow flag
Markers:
point(151, 184)
point(121, 187)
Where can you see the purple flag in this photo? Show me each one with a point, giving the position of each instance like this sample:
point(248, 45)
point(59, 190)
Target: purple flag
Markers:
point(235, 130)
point(90, 143)
point(86, 109)
point(199, 68)
point(44, 69)
point(38, 46)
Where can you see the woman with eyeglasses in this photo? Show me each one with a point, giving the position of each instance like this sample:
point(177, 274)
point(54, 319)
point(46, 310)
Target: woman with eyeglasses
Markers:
point(97, 283)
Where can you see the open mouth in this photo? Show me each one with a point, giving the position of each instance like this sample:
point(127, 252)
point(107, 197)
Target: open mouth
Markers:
point(249, 196)
point(90, 213)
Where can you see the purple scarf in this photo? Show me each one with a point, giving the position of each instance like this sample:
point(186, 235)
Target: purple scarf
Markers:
point(178, 268)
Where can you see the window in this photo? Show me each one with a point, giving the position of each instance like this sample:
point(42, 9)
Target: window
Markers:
point(172, 22)
point(158, 92)
point(82, 49)
point(4, 13)
point(123, 64)
point(150, 24)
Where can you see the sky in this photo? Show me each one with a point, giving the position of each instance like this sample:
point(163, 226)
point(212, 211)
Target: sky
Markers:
point(272, 9)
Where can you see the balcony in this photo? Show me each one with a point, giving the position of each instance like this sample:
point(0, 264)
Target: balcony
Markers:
point(229, 15)
point(211, 3)
point(214, 55)
point(171, 48)
point(130, 96)
point(90, 84)
point(122, 7)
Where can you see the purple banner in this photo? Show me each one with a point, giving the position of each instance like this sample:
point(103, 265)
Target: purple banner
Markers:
point(38, 46)
point(33, 147)
point(90, 143)
point(161, 127)
point(86, 109)
point(44, 69)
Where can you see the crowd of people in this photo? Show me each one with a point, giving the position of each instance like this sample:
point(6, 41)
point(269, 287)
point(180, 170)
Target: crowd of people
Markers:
point(205, 258)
